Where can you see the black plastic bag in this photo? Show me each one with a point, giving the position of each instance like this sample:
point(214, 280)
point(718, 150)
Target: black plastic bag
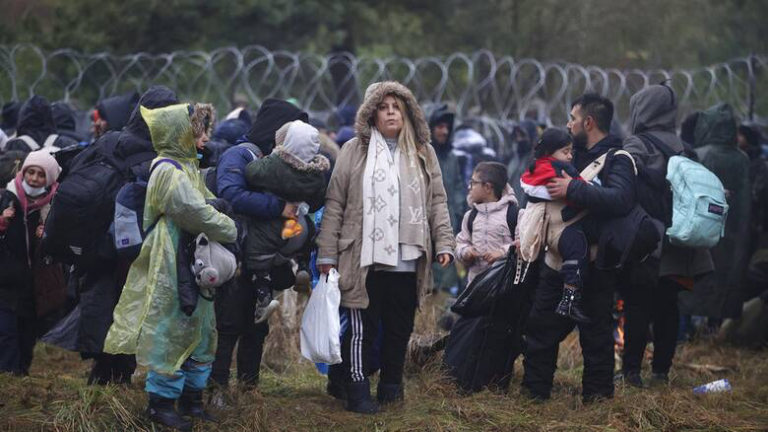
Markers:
point(486, 288)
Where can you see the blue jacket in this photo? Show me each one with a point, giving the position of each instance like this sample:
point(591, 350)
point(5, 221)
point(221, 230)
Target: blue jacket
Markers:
point(231, 185)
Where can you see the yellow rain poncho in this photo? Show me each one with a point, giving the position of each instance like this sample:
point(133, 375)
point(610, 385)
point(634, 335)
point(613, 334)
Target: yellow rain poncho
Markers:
point(148, 321)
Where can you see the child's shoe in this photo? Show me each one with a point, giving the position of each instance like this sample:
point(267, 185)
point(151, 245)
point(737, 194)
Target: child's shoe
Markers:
point(570, 305)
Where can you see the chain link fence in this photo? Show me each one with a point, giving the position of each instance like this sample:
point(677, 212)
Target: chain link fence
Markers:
point(490, 90)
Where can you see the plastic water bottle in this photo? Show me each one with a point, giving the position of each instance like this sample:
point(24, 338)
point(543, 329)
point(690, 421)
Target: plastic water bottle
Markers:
point(303, 209)
point(714, 387)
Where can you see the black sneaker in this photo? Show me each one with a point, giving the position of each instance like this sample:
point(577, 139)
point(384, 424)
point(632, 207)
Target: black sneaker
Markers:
point(633, 379)
point(659, 379)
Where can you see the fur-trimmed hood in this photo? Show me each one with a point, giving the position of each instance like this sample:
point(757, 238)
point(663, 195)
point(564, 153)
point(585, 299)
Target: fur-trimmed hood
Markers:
point(375, 93)
point(203, 117)
point(318, 163)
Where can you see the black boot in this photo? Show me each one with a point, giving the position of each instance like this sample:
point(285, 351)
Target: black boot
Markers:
point(570, 305)
point(359, 398)
point(388, 393)
point(162, 411)
point(191, 405)
point(336, 390)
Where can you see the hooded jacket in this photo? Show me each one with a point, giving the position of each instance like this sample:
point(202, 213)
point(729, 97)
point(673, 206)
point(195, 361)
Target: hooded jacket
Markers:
point(340, 238)
point(718, 295)
point(148, 320)
point(273, 114)
point(66, 123)
point(490, 232)
point(36, 121)
point(10, 117)
point(653, 110)
point(117, 110)
point(453, 181)
point(135, 144)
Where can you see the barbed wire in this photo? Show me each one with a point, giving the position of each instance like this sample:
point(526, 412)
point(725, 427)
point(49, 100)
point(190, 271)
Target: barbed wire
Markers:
point(493, 91)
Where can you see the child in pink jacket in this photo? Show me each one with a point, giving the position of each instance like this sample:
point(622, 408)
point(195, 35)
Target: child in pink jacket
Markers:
point(490, 238)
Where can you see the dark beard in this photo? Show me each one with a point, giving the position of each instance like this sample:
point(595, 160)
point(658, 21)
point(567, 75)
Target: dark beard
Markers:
point(580, 140)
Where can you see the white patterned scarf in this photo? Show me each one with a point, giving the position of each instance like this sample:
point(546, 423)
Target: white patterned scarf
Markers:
point(394, 218)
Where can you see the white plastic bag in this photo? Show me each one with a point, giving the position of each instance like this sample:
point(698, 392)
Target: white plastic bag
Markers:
point(320, 325)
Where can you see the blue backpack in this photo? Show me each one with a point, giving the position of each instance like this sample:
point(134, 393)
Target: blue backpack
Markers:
point(699, 207)
point(128, 229)
point(689, 199)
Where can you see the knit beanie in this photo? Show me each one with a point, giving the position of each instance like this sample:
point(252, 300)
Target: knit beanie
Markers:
point(299, 139)
point(43, 159)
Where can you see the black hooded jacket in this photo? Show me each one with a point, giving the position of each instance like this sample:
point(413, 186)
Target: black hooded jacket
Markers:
point(616, 194)
point(117, 110)
point(134, 146)
point(10, 117)
point(66, 123)
point(272, 115)
point(36, 121)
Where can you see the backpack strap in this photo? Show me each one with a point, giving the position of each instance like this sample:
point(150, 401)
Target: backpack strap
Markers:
point(151, 170)
point(30, 142)
point(471, 220)
point(625, 153)
point(650, 140)
point(512, 210)
point(139, 158)
point(164, 160)
point(50, 140)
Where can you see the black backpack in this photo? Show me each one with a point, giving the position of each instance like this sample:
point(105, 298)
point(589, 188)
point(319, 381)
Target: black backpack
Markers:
point(84, 205)
point(629, 238)
point(10, 164)
point(512, 211)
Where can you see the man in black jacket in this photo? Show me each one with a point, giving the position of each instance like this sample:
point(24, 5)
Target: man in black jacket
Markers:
point(590, 122)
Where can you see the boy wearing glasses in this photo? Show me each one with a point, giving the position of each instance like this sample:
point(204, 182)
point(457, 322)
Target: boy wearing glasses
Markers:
point(489, 237)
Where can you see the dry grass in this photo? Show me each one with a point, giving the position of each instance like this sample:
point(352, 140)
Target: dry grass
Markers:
point(291, 397)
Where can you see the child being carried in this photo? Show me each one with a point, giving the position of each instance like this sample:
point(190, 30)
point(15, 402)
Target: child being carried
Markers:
point(295, 173)
point(552, 157)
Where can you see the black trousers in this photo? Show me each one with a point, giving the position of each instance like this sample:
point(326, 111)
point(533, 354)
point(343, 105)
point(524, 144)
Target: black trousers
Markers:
point(112, 368)
point(573, 248)
point(392, 303)
point(28, 328)
point(235, 305)
point(643, 305)
point(545, 330)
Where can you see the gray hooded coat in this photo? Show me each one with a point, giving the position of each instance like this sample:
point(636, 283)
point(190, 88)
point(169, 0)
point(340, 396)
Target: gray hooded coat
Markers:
point(654, 110)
